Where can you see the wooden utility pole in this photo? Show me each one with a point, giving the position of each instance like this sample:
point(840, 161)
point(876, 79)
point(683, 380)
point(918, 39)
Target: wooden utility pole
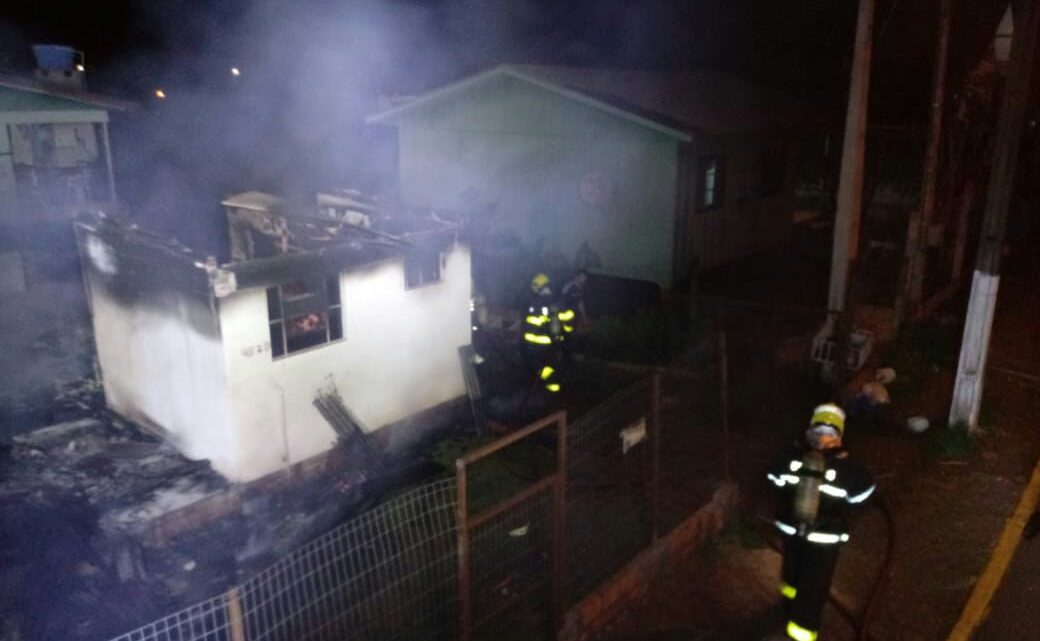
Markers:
point(960, 239)
point(850, 183)
point(978, 324)
point(911, 281)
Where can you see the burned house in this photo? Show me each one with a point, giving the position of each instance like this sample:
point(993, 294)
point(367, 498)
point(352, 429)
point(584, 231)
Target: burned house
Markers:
point(637, 174)
point(317, 325)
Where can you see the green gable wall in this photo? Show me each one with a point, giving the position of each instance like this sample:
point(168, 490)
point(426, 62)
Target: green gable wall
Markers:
point(527, 150)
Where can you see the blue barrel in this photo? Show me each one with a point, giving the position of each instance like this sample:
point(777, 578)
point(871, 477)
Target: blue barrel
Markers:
point(54, 57)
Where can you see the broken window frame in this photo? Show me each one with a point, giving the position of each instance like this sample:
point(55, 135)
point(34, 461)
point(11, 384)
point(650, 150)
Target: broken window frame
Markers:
point(422, 268)
point(711, 182)
point(325, 302)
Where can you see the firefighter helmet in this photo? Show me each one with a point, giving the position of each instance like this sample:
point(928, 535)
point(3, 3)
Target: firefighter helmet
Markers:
point(539, 282)
point(829, 415)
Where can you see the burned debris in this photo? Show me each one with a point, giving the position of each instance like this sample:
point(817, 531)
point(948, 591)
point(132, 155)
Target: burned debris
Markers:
point(79, 500)
point(244, 407)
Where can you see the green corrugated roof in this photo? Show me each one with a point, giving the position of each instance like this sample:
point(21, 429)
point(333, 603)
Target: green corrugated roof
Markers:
point(27, 94)
point(19, 100)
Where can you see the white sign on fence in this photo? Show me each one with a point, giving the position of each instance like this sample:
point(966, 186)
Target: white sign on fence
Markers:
point(633, 435)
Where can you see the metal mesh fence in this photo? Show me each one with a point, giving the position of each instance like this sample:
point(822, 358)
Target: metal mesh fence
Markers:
point(392, 573)
point(608, 506)
point(692, 445)
point(206, 621)
point(388, 574)
point(512, 568)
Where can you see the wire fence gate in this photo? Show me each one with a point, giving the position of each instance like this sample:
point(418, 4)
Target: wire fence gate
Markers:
point(510, 552)
point(530, 523)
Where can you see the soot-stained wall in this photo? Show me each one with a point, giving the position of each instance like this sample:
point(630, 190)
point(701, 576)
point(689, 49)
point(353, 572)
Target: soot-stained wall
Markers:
point(200, 368)
point(159, 343)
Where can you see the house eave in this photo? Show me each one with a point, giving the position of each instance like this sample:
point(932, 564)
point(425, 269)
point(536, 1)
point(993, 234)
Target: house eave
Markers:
point(387, 117)
point(85, 98)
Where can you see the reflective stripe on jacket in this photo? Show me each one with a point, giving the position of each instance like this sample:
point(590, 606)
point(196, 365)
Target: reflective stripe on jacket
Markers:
point(844, 484)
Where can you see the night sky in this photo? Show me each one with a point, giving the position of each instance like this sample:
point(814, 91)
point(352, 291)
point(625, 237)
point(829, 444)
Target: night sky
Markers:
point(801, 44)
point(312, 69)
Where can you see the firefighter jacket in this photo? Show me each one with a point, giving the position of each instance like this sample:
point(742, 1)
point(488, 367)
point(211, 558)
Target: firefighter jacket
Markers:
point(547, 321)
point(841, 484)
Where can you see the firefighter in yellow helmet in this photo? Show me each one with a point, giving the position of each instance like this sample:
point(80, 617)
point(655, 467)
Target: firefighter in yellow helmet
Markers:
point(547, 324)
point(818, 483)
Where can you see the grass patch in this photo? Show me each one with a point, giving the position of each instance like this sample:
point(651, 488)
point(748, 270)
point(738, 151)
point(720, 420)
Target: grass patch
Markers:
point(639, 338)
point(500, 475)
point(986, 416)
point(954, 442)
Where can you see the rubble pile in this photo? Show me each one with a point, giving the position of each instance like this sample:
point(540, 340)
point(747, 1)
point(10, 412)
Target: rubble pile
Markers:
point(79, 502)
point(71, 496)
point(109, 463)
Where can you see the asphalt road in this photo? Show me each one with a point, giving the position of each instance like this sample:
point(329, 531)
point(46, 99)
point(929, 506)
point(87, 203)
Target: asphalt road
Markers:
point(1015, 610)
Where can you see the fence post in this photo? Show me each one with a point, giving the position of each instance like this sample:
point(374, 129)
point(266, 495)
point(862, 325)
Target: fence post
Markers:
point(724, 401)
point(236, 626)
point(462, 516)
point(655, 455)
point(560, 524)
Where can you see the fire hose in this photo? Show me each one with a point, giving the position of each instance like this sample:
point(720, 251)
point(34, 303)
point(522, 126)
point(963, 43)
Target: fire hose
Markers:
point(859, 624)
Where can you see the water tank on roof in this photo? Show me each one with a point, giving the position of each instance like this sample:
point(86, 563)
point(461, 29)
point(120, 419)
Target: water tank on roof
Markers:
point(59, 66)
point(54, 57)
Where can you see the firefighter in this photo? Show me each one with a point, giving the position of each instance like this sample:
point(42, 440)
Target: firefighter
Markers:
point(818, 483)
point(546, 326)
point(574, 299)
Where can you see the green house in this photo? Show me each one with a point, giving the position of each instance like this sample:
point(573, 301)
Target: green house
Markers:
point(645, 175)
point(55, 160)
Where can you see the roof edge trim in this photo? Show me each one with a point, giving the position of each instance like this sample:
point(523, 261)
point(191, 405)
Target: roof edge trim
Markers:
point(384, 116)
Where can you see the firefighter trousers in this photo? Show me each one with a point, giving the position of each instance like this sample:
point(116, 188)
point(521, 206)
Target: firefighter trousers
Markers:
point(805, 584)
point(546, 365)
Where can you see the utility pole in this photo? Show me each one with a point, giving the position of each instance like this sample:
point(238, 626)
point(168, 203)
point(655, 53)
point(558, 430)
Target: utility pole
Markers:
point(850, 182)
point(978, 324)
point(911, 281)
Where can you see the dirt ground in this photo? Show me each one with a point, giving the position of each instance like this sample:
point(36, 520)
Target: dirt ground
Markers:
point(948, 509)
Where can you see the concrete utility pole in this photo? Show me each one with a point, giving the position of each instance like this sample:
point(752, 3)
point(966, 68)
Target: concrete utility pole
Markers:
point(911, 281)
point(978, 325)
point(850, 183)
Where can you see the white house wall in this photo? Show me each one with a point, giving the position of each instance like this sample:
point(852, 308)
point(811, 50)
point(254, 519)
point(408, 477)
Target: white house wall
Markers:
point(399, 356)
point(160, 354)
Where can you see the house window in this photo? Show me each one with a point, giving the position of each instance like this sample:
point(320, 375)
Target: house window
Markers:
point(303, 314)
point(773, 170)
point(422, 268)
point(711, 182)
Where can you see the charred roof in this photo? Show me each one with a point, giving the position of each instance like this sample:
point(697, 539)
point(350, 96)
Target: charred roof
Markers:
point(313, 242)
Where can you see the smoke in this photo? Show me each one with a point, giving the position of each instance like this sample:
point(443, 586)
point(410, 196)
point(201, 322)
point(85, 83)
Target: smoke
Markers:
point(291, 120)
point(310, 71)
